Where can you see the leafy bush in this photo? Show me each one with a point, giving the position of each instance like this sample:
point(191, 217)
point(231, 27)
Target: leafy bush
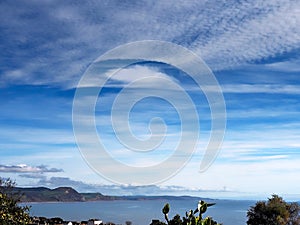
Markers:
point(10, 212)
point(274, 212)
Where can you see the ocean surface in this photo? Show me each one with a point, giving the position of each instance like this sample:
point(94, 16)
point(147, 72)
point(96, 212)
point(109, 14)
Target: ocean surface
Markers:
point(140, 212)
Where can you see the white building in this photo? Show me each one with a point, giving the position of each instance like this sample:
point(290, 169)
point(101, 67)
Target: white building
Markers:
point(94, 222)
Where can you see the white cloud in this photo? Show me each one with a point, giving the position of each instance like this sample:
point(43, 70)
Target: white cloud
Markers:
point(261, 88)
point(134, 73)
point(289, 66)
point(254, 38)
point(23, 168)
point(259, 177)
point(142, 77)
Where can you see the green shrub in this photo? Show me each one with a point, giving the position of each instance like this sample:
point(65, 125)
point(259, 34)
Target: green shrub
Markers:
point(275, 211)
point(10, 212)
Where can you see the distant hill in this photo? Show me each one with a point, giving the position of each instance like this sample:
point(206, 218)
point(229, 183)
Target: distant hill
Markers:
point(68, 194)
point(41, 194)
point(61, 194)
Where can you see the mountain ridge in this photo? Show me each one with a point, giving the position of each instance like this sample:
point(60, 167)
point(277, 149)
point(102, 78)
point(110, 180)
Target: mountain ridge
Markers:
point(69, 194)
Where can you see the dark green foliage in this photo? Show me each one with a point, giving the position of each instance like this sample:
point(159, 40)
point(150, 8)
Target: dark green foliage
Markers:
point(176, 220)
point(294, 210)
point(165, 211)
point(56, 220)
point(10, 212)
point(274, 212)
point(190, 218)
point(157, 222)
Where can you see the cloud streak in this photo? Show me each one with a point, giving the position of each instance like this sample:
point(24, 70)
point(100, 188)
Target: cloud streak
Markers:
point(119, 190)
point(23, 168)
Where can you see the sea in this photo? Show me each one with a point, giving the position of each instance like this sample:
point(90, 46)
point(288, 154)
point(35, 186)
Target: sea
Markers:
point(140, 212)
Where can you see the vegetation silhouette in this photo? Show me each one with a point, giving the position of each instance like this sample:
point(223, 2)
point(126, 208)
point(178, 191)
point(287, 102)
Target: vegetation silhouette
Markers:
point(10, 212)
point(192, 217)
point(275, 211)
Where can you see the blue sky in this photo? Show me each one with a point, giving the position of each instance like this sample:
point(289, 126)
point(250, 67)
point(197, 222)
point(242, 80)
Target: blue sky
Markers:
point(252, 47)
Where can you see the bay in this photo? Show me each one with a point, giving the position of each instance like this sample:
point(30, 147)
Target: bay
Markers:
point(140, 212)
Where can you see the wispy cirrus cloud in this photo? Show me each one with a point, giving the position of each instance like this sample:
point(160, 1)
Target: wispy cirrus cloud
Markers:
point(23, 168)
point(224, 34)
point(292, 66)
point(255, 31)
point(262, 88)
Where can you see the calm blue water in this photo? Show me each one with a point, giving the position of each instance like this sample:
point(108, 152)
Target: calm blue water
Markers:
point(228, 212)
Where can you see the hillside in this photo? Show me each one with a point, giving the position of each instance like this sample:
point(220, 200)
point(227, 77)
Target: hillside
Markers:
point(61, 194)
point(41, 194)
point(68, 194)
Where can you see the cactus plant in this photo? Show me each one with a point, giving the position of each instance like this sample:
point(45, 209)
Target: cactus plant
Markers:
point(165, 211)
point(191, 217)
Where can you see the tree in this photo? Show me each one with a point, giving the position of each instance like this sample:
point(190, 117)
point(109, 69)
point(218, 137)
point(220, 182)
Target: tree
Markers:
point(56, 220)
point(294, 210)
point(274, 212)
point(10, 212)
